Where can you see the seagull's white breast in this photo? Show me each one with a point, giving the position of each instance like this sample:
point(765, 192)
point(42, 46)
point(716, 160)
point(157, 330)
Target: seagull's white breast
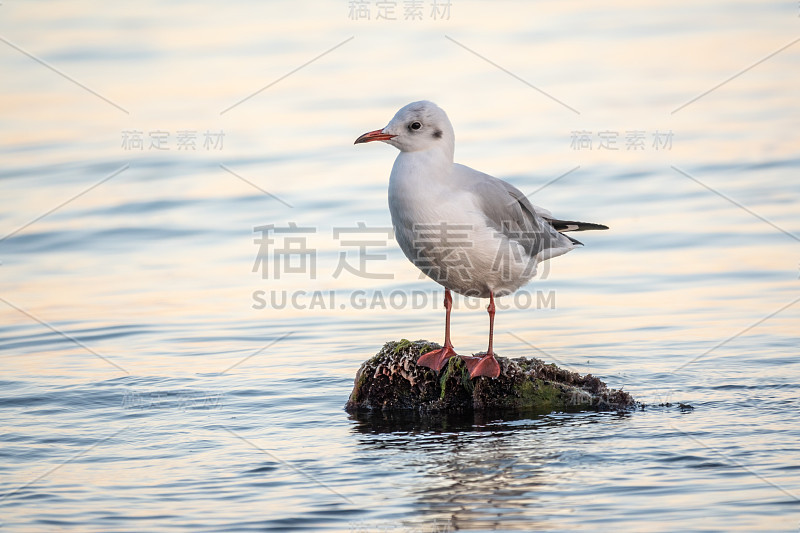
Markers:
point(441, 228)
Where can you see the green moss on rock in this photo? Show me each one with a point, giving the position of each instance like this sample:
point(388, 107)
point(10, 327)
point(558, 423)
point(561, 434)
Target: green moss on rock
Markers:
point(391, 380)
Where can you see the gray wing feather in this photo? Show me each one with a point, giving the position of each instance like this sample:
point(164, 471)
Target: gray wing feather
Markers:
point(511, 213)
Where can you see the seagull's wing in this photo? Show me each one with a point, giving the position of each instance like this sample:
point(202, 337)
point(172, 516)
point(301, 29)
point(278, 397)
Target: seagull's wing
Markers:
point(563, 226)
point(571, 225)
point(509, 212)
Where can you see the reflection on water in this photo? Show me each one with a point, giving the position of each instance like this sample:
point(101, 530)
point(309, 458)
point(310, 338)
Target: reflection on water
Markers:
point(477, 472)
point(472, 474)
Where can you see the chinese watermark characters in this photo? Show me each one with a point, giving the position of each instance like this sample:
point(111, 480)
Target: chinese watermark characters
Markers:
point(630, 140)
point(184, 399)
point(441, 251)
point(182, 140)
point(412, 10)
point(285, 250)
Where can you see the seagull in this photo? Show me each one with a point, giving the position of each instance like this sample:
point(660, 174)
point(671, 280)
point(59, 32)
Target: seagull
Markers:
point(470, 232)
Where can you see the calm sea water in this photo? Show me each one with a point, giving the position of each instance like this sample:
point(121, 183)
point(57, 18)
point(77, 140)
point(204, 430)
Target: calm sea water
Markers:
point(167, 365)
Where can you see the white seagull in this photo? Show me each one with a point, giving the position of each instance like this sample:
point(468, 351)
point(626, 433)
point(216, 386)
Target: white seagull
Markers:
point(468, 231)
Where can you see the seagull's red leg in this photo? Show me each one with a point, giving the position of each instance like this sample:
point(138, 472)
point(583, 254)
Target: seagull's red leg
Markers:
point(436, 359)
point(485, 365)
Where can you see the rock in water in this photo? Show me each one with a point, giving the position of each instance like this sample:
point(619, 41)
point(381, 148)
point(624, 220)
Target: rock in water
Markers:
point(391, 380)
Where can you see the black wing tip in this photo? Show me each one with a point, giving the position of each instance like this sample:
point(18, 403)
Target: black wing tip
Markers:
point(573, 225)
point(585, 226)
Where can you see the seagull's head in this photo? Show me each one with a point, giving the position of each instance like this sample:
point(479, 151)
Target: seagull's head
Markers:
point(418, 126)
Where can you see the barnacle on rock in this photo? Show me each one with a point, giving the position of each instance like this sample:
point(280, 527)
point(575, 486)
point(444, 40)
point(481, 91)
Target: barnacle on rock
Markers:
point(391, 380)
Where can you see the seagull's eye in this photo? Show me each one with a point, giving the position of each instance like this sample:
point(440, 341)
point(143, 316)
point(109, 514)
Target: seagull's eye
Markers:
point(415, 126)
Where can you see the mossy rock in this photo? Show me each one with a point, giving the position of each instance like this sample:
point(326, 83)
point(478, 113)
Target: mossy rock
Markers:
point(392, 381)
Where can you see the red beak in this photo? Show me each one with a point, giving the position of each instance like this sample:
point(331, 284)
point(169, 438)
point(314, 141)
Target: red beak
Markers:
point(376, 135)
